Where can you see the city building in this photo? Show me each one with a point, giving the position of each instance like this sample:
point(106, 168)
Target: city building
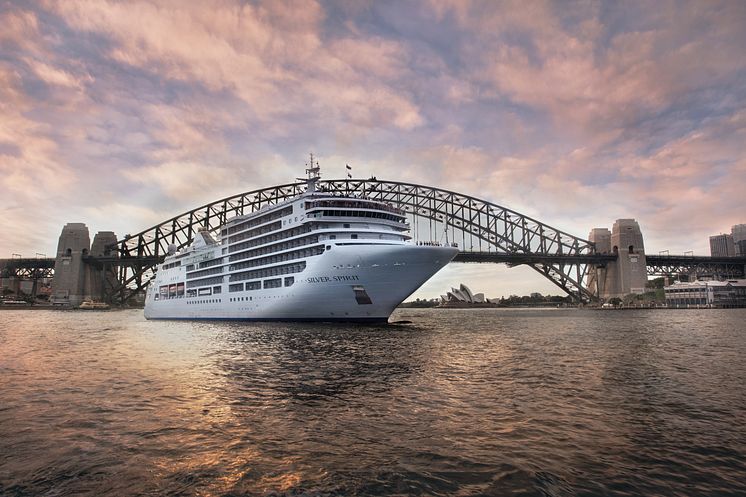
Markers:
point(738, 232)
point(729, 293)
point(722, 246)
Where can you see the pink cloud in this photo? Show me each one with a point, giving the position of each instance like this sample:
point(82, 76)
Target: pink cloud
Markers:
point(271, 56)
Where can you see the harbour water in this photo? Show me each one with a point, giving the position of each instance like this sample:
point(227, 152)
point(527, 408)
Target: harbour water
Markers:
point(455, 402)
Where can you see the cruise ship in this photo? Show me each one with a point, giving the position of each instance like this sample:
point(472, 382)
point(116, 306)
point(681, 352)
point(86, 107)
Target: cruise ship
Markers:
point(314, 257)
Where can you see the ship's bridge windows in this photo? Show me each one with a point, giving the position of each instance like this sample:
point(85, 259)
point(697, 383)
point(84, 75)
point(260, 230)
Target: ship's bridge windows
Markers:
point(370, 214)
point(353, 204)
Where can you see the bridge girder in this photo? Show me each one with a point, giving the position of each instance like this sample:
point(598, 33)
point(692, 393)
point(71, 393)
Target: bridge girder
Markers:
point(671, 265)
point(27, 269)
point(492, 227)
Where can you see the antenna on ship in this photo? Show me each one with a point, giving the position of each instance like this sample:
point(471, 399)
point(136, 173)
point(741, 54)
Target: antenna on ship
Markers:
point(313, 173)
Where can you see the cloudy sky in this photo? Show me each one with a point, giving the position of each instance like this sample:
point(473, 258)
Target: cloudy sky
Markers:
point(121, 114)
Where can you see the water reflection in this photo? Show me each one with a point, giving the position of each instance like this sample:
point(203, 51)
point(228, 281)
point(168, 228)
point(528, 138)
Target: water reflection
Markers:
point(319, 363)
point(457, 403)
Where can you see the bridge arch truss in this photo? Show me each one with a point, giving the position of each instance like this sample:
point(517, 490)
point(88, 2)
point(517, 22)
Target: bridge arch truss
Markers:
point(477, 225)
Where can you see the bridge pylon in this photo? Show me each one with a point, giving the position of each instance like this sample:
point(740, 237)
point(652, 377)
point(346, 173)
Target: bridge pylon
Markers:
point(75, 279)
point(627, 273)
point(70, 273)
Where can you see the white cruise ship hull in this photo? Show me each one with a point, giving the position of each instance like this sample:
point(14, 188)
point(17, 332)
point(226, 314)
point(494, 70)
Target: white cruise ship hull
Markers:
point(350, 282)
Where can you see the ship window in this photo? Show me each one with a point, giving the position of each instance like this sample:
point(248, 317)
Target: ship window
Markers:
point(332, 237)
point(353, 236)
point(238, 287)
point(361, 295)
point(289, 281)
point(328, 247)
point(347, 225)
point(253, 285)
point(273, 283)
point(216, 289)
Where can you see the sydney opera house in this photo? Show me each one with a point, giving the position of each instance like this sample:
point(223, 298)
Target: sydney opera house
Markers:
point(463, 297)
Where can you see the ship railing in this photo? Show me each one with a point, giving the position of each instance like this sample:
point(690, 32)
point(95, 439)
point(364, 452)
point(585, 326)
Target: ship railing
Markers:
point(430, 243)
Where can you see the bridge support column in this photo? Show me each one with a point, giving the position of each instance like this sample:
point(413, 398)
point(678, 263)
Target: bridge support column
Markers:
point(628, 273)
point(70, 274)
point(102, 279)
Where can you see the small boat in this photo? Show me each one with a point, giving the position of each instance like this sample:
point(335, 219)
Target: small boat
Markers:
point(91, 305)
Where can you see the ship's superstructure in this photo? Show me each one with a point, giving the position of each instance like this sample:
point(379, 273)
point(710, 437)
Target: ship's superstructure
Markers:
point(313, 257)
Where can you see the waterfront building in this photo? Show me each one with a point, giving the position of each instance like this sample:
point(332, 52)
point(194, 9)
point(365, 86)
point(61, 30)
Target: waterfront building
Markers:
point(738, 232)
point(729, 293)
point(462, 295)
point(722, 246)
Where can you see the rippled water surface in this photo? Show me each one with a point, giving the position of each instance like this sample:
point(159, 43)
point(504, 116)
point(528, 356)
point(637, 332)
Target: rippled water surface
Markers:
point(456, 402)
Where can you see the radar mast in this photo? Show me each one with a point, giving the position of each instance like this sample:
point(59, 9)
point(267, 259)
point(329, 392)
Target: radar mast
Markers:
point(313, 173)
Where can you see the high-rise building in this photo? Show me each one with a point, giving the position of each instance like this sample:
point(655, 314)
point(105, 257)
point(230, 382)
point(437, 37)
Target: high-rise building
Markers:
point(738, 232)
point(722, 246)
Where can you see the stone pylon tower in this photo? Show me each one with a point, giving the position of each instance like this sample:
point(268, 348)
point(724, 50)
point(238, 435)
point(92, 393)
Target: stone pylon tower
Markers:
point(628, 274)
point(601, 237)
point(70, 274)
point(104, 277)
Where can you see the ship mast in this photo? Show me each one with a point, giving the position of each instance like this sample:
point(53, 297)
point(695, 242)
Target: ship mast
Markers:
point(313, 173)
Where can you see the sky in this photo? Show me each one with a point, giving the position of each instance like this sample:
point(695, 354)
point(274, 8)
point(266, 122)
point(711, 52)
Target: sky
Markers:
point(121, 114)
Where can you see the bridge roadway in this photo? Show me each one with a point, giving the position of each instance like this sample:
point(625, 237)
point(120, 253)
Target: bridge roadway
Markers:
point(657, 265)
point(27, 268)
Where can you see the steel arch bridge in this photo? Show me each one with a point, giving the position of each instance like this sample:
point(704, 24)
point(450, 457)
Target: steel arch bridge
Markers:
point(485, 231)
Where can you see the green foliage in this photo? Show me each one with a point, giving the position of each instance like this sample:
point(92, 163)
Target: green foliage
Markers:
point(656, 283)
